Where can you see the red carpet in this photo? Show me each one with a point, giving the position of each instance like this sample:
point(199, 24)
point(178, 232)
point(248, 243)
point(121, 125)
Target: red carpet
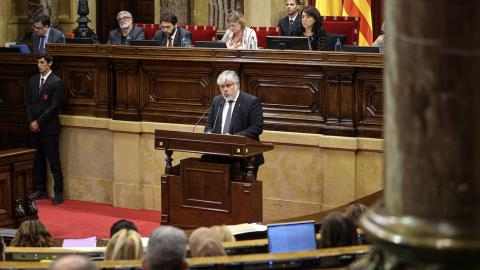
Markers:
point(77, 219)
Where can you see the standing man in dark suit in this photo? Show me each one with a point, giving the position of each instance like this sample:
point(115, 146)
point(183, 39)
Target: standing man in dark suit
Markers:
point(236, 113)
point(44, 33)
point(289, 23)
point(125, 21)
point(44, 99)
point(171, 34)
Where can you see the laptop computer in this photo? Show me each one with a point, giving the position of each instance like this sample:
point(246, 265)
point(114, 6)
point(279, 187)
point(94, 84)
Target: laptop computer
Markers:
point(291, 237)
point(210, 44)
point(79, 41)
point(144, 42)
point(23, 48)
point(361, 49)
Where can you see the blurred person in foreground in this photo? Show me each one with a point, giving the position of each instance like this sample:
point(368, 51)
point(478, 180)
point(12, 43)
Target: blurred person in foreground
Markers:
point(73, 262)
point(355, 212)
point(205, 243)
point(166, 250)
point(337, 231)
point(223, 233)
point(122, 224)
point(33, 233)
point(124, 245)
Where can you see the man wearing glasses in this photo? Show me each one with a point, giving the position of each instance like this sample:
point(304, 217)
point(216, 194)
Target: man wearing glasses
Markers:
point(119, 36)
point(44, 33)
point(171, 34)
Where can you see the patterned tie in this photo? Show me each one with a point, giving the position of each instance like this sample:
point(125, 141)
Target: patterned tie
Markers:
point(169, 42)
point(41, 85)
point(228, 119)
point(291, 24)
point(42, 45)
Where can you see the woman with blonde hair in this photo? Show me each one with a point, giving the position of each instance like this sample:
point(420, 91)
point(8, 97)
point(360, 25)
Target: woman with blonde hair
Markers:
point(223, 233)
point(239, 35)
point(33, 233)
point(124, 245)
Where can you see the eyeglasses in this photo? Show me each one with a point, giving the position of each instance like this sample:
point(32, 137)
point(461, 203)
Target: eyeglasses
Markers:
point(123, 19)
point(233, 25)
point(39, 28)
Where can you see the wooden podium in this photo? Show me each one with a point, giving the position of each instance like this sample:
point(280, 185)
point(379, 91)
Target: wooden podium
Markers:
point(199, 193)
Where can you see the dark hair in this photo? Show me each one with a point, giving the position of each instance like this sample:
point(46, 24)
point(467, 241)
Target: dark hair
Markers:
point(48, 57)
point(312, 11)
point(2, 250)
point(355, 212)
point(33, 233)
point(122, 224)
point(168, 17)
point(297, 2)
point(337, 231)
point(44, 19)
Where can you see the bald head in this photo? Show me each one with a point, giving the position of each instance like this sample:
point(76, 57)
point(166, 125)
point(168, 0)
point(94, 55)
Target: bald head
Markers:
point(73, 262)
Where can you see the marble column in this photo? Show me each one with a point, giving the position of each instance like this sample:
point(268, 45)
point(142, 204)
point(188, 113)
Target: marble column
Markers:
point(430, 216)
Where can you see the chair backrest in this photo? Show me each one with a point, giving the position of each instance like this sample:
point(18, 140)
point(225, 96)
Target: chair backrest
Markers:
point(343, 25)
point(199, 32)
point(150, 29)
point(263, 32)
point(69, 35)
point(202, 32)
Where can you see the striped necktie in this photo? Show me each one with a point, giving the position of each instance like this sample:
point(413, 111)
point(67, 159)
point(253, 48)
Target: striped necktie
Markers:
point(41, 85)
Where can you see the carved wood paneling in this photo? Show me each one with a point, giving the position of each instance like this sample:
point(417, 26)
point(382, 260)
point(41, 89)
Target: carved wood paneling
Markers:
point(5, 200)
point(370, 103)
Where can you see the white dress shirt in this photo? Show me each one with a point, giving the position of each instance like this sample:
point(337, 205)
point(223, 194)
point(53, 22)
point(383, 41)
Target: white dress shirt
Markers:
point(44, 77)
point(225, 109)
point(173, 37)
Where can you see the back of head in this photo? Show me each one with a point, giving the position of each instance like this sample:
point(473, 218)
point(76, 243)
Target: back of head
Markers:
point(166, 249)
point(205, 243)
point(223, 233)
point(122, 224)
point(73, 262)
point(337, 231)
point(33, 233)
point(124, 245)
point(355, 212)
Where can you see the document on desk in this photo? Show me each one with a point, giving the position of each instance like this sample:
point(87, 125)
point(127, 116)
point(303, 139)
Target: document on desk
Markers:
point(246, 228)
point(80, 243)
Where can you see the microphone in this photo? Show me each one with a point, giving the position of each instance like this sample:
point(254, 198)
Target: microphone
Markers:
point(215, 122)
point(201, 118)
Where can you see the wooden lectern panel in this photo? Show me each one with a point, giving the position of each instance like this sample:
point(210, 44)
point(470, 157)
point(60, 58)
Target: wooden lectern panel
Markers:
point(205, 185)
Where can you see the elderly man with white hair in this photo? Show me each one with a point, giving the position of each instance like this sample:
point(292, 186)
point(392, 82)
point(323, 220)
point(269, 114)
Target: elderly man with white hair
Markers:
point(127, 29)
point(166, 250)
point(235, 112)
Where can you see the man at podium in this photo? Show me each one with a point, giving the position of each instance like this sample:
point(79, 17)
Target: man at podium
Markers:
point(236, 113)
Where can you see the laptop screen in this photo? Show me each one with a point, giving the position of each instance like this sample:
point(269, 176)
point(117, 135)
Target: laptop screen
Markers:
point(291, 237)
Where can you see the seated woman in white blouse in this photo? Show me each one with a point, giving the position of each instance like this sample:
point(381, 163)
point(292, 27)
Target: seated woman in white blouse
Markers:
point(239, 35)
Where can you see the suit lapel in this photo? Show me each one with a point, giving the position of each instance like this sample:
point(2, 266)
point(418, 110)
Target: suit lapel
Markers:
point(35, 86)
point(45, 84)
point(218, 123)
point(35, 41)
point(295, 24)
point(236, 111)
point(118, 38)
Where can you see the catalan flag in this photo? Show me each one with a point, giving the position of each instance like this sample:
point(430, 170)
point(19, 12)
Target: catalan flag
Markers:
point(362, 9)
point(329, 7)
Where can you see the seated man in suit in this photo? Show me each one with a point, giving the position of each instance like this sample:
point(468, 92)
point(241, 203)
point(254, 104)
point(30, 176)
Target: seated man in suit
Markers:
point(167, 249)
point(289, 23)
point(119, 36)
point(44, 33)
point(44, 99)
point(237, 113)
point(171, 34)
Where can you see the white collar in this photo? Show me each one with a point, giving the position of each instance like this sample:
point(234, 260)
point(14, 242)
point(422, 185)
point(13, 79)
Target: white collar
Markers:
point(293, 17)
point(46, 76)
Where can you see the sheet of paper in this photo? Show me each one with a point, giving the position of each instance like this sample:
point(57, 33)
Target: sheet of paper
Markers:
point(246, 228)
point(145, 241)
point(80, 243)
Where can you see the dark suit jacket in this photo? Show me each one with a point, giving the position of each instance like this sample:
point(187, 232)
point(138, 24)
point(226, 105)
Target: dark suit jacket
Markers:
point(284, 25)
point(159, 35)
point(55, 36)
point(44, 107)
point(247, 119)
point(136, 33)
